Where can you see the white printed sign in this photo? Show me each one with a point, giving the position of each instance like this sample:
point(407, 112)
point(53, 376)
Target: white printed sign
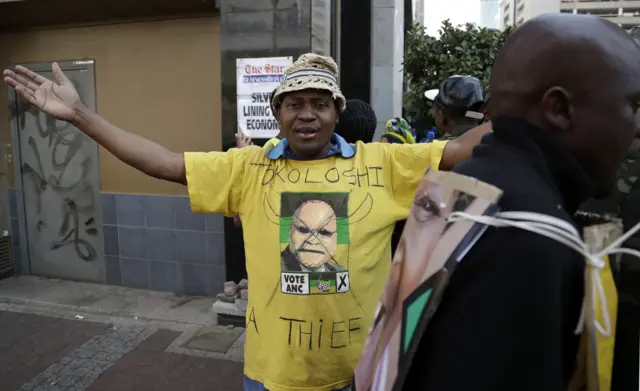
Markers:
point(256, 80)
point(295, 283)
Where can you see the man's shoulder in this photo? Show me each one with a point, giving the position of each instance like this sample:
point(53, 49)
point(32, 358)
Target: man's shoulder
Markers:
point(524, 188)
point(249, 153)
point(378, 147)
point(384, 152)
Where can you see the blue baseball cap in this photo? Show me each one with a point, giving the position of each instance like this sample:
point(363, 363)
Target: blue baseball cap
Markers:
point(459, 92)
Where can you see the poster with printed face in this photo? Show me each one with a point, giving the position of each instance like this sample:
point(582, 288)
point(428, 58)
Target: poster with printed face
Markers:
point(429, 250)
point(256, 80)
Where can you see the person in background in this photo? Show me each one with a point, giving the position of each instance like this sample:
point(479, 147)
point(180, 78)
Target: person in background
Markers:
point(430, 135)
point(357, 122)
point(398, 131)
point(459, 103)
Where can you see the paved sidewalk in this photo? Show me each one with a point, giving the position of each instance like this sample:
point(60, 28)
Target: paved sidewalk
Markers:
point(31, 343)
point(68, 336)
point(150, 368)
point(54, 354)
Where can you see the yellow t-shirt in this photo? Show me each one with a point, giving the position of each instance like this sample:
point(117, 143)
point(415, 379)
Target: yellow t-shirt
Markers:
point(317, 242)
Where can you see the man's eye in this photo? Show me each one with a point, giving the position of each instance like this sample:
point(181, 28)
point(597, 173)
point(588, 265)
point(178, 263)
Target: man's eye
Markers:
point(301, 229)
point(324, 232)
point(426, 209)
point(322, 105)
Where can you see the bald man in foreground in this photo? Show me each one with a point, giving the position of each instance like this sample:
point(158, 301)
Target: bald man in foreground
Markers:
point(565, 94)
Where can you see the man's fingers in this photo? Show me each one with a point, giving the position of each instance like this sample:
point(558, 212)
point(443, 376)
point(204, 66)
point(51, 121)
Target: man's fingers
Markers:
point(25, 92)
point(58, 74)
point(27, 83)
point(28, 96)
point(16, 84)
point(30, 74)
point(10, 81)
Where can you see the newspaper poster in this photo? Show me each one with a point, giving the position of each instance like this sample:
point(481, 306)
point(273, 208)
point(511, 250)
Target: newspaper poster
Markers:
point(428, 253)
point(256, 80)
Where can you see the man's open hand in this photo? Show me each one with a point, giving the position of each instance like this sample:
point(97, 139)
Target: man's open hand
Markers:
point(58, 98)
point(242, 140)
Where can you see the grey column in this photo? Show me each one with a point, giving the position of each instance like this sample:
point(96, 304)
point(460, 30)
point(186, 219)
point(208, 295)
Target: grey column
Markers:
point(321, 27)
point(387, 51)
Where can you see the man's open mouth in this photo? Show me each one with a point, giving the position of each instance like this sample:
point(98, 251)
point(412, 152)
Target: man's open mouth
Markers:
point(306, 133)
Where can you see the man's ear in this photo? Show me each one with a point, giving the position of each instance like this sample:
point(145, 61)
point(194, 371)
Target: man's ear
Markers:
point(556, 108)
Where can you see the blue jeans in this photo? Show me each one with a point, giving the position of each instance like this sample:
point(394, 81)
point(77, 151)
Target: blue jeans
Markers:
point(252, 385)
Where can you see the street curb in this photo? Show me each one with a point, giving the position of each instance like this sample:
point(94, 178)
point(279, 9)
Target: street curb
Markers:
point(93, 311)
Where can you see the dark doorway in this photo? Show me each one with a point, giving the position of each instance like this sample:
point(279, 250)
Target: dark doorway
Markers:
point(355, 49)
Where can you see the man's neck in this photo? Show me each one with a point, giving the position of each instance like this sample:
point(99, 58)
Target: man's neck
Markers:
point(320, 155)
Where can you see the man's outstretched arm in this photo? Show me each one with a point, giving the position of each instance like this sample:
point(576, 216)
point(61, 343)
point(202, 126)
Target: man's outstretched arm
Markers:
point(460, 149)
point(145, 155)
point(59, 99)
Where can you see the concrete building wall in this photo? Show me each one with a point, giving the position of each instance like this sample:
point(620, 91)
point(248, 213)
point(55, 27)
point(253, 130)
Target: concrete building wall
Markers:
point(141, 84)
point(418, 11)
point(625, 13)
point(490, 14)
point(516, 12)
point(161, 80)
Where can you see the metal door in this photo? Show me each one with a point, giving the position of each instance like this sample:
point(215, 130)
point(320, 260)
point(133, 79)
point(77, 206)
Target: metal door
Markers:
point(58, 187)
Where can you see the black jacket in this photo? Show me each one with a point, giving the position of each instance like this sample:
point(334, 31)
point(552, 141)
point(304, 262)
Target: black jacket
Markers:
point(507, 318)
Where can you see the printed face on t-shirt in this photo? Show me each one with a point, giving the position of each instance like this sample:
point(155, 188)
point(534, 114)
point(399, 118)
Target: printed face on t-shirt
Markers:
point(313, 237)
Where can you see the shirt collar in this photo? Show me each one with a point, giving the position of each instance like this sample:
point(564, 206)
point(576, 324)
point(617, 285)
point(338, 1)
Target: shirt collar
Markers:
point(339, 146)
point(552, 159)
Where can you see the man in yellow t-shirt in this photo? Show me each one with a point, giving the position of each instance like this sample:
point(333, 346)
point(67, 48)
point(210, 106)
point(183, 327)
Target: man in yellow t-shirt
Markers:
point(317, 213)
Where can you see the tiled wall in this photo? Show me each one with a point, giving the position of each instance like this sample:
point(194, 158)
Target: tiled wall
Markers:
point(156, 242)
